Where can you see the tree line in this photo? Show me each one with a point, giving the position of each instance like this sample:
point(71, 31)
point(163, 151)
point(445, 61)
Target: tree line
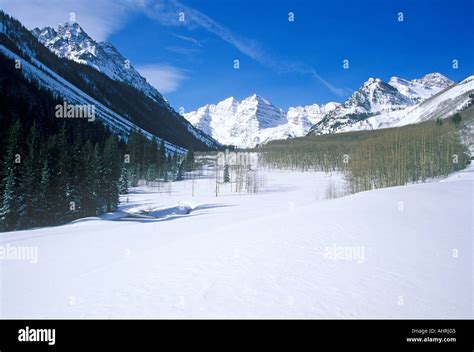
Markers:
point(376, 159)
point(146, 160)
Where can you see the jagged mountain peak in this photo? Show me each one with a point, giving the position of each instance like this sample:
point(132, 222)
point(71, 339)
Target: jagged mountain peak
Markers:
point(375, 83)
point(70, 41)
point(421, 88)
point(257, 99)
point(255, 120)
point(395, 79)
point(434, 80)
point(71, 32)
point(430, 79)
point(374, 95)
point(72, 29)
point(228, 103)
point(372, 81)
point(45, 33)
point(401, 97)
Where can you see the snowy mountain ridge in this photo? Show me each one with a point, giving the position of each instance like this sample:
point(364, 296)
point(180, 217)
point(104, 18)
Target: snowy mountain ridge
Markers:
point(70, 41)
point(421, 88)
point(376, 97)
point(255, 120)
point(48, 79)
point(79, 83)
point(441, 105)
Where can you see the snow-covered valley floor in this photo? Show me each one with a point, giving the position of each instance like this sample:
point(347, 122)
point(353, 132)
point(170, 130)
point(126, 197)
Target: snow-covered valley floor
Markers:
point(285, 252)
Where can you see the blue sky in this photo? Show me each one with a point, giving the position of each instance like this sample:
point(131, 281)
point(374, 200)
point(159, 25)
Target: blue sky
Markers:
point(289, 63)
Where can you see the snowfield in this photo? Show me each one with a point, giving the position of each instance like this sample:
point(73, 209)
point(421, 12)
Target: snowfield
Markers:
point(285, 252)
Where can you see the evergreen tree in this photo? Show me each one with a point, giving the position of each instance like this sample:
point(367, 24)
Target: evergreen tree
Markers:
point(226, 174)
point(190, 162)
point(174, 165)
point(100, 174)
point(43, 199)
point(162, 158)
point(59, 176)
point(29, 197)
point(10, 207)
point(180, 172)
point(123, 181)
point(10, 204)
point(75, 174)
point(111, 173)
point(457, 118)
point(89, 182)
point(153, 152)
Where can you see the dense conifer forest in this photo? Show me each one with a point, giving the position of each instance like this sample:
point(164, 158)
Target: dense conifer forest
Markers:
point(57, 170)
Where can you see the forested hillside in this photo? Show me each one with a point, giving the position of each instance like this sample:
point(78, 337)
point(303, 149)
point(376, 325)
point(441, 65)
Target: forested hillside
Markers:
point(56, 170)
point(157, 118)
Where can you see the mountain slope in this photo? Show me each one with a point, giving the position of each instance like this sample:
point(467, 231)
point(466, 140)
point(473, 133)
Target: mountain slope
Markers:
point(376, 97)
point(254, 120)
point(421, 88)
point(70, 41)
point(118, 105)
point(441, 105)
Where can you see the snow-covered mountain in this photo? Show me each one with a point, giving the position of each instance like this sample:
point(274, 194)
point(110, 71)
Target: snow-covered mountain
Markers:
point(255, 120)
point(421, 88)
point(376, 97)
point(441, 105)
point(302, 118)
point(97, 81)
point(431, 97)
point(47, 78)
point(70, 41)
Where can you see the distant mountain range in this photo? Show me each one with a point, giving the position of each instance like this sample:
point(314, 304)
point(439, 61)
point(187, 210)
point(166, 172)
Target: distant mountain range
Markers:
point(255, 120)
point(376, 104)
point(75, 68)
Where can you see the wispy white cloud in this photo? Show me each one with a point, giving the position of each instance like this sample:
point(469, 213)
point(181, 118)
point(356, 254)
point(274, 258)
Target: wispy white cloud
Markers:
point(167, 12)
point(190, 46)
point(305, 69)
point(183, 50)
point(165, 78)
point(189, 39)
point(99, 18)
